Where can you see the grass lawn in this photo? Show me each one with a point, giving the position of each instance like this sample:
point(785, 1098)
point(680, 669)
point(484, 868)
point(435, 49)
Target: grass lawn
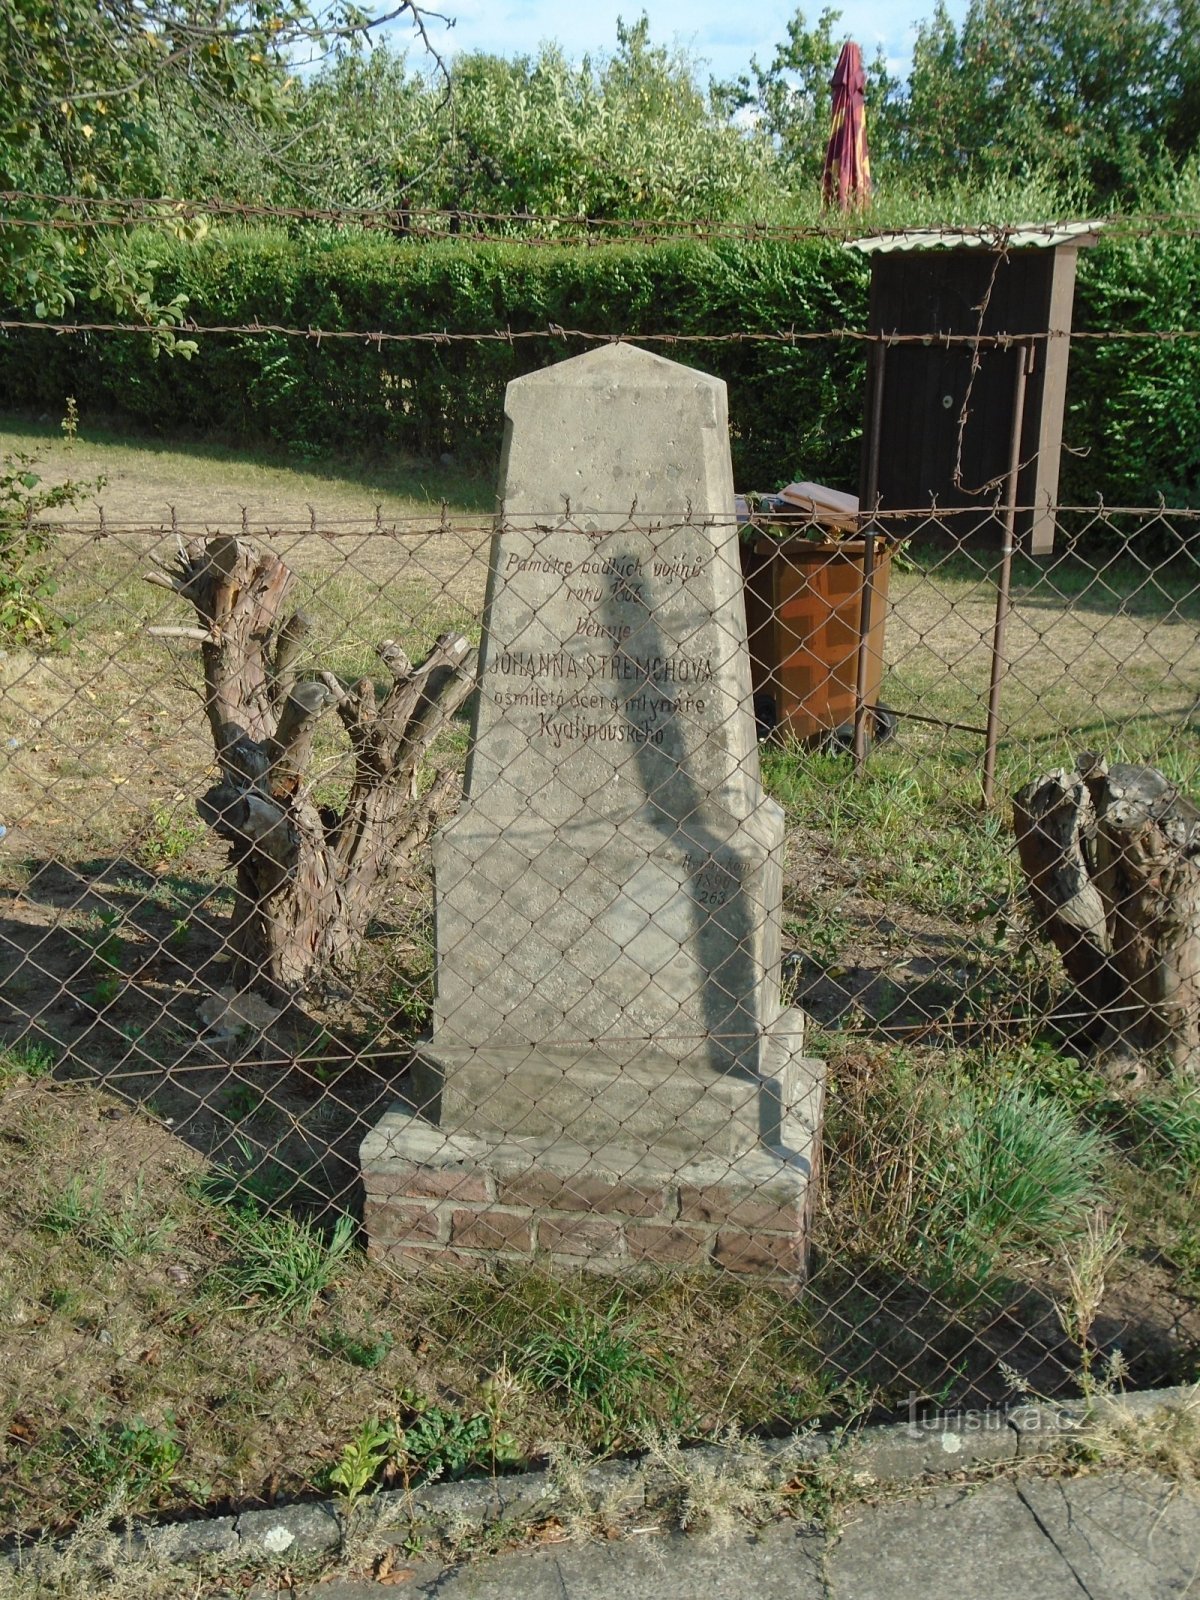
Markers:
point(185, 1315)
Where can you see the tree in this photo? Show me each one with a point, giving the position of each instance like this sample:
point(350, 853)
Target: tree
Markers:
point(629, 135)
point(1090, 93)
point(92, 92)
point(308, 876)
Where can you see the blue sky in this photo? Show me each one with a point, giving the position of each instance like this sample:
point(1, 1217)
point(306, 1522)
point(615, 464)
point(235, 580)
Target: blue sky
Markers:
point(720, 36)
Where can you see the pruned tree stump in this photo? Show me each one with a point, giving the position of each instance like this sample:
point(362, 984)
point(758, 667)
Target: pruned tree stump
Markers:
point(308, 878)
point(1111, 857)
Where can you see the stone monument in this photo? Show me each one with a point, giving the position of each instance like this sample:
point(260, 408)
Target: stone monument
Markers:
point(610, 1078)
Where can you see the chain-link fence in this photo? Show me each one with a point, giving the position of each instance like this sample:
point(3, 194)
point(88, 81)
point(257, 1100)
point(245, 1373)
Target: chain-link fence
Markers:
point(294, 1165)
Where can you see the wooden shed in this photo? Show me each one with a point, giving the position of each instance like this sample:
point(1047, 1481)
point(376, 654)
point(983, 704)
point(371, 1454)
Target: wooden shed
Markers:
point(940, 433)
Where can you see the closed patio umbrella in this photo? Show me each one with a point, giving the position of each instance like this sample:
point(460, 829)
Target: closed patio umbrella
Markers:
point(846, 180)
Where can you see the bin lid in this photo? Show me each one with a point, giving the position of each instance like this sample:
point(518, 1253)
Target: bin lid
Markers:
point(830, 507)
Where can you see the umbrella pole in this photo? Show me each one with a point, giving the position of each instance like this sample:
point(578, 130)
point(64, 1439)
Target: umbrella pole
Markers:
point(870, 496)
point(1004, 582)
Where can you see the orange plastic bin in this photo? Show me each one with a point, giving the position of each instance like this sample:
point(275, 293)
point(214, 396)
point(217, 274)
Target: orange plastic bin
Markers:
point(803, 613)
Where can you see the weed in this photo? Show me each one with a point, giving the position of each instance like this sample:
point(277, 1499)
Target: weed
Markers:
point(128, 1233)
point(1168, 1128)
point(281, 1264)
point(167, 838)
point(254, 1185)
point(1087, 1268)
point(821, 932)
point(138, 1457)
point(74, 1210)
point(102, 993)
point(360, 1462)
point(365, 1353)
point(439, 1442)
point(242, 1101)
point(27, 550)
point(591, 1363)
point(26, 1060)
point(105, 939)
point(1011, 1169)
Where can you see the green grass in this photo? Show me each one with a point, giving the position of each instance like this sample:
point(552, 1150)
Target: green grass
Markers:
point(146, 475)
point(280, 1265)
point(27, 1059)
point(132, 1464)
point(1012, 1171)
point(596, 1366)
point(125, 1228)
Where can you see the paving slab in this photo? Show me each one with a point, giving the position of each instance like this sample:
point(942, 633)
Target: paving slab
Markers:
point(781, 1564)
point(1111, 1536)
point(971, 1542)
point(1124, 1536)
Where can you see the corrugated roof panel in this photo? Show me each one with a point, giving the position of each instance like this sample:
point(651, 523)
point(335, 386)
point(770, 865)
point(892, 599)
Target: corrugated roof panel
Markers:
point(1021, 237)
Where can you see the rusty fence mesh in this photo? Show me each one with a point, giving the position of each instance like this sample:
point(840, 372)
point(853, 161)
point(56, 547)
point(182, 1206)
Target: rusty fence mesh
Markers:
point(480, 991)
point(747, 1076)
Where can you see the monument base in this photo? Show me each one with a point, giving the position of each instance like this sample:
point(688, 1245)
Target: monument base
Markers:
point(473, 1199)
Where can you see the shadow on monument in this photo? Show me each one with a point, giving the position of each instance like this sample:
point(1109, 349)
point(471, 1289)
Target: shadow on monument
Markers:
point(676, 806)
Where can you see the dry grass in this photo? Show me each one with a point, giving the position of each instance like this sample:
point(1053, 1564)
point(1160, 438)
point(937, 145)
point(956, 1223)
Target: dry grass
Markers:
point(901, 925)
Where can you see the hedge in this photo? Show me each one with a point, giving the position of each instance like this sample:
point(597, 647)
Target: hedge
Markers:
point(1133, 429)
point(795, 409)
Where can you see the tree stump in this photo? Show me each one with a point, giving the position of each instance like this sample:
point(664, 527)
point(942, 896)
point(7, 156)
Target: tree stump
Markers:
point(308, 878)
point(1111, 857)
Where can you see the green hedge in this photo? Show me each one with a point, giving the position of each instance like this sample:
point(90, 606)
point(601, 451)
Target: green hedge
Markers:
point(795, 409)
point(1133, 426)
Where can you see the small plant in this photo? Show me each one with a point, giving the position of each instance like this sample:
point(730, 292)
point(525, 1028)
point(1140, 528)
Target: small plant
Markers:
point(593, 1365)
point(136, 1456)
point(167, 838)
point(439, 1442)
point(27, 543)
point(242, 1101)
point(1168, 1129)
point(410, 996)
point(75, 1210)
point(253, 1186)
point(365, 1353)
point(1087, 1268)
point(282, 1264)
point(102, 993)
point(26, 1060)
point(70, 423)
point(821, 932)
point(105, 939)
point(128, 1233)
point(360, 1462)
point(1010, 1169)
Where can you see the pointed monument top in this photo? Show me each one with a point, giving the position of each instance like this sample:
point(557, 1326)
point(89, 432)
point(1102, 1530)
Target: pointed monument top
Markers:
point(619, 361)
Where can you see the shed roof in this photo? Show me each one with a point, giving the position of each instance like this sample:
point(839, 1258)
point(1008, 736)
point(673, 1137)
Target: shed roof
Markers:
point(1046, 235)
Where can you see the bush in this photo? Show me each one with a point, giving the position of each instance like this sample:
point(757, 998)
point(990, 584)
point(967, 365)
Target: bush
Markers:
point(796, 409)
point(1133, 409)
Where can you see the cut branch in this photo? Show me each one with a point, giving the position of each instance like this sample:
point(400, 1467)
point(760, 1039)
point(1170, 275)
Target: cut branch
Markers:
point(1112, 862)
point(308, 879)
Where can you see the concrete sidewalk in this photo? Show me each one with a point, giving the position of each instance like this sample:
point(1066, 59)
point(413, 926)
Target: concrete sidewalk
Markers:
point(1111, 1536)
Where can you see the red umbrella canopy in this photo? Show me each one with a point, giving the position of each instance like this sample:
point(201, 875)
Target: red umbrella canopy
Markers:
point(846, 180)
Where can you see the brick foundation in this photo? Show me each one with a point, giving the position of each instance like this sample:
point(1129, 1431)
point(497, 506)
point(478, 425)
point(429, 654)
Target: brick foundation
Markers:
point(432, 1197)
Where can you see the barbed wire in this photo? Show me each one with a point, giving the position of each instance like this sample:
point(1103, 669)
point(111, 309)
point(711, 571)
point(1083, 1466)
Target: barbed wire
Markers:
point(473, 223)
point(443, 521)
point(554, 331)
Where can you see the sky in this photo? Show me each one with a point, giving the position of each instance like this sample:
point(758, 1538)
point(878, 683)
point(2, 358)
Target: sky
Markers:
point(721, 37)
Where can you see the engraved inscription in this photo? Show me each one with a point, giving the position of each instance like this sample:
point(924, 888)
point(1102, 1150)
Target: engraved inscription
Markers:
point(609, 692)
